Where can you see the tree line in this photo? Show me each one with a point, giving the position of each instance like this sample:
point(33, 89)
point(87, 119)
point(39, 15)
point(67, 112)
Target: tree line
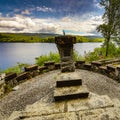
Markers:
point(14, 37)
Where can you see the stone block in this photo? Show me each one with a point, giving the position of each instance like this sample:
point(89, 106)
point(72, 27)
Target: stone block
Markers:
point(71, 82)
point(65, 58)
point(57, 65)
point(68, 68)
point(42, 68)
point(50, 65)
point(118, 68)
point(67, 93)
point(10, 76)
point(31, 68)
point(87, 66)
point(103, 70)
point(79, 64)
point(63, 40)
point(68, 76)
point(23, 76)
point(67, 63)
point(111, 68)
point(96, 63)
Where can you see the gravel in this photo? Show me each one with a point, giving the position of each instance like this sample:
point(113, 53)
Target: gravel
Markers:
point(36, 88)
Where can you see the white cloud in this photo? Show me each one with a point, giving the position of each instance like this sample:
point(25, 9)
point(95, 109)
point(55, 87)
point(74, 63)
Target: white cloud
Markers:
point(20, 23)
point(44, 9)
point(26, 12)
point(97, 4)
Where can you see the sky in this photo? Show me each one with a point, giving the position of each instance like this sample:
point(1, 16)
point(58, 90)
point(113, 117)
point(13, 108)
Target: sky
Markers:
point(50, 16)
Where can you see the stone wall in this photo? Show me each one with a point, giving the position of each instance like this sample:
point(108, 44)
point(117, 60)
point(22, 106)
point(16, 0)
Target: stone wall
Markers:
point(111, 70)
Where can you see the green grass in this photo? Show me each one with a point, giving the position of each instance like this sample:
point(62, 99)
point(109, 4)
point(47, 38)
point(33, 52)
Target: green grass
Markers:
point(17, 69)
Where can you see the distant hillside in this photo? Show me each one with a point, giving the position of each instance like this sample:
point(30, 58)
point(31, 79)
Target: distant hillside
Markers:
point(91, 37)
point(41, 35)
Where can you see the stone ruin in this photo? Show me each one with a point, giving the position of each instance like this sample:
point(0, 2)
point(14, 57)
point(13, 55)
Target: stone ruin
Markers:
point(72, 100)
point(69, 85)
point(65, 48)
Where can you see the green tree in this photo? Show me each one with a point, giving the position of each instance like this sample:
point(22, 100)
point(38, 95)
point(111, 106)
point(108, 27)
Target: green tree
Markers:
point(110, 21)
point(116, 6)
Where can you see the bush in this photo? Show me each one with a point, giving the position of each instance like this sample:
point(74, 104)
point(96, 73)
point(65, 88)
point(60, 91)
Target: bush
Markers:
point(45, 58)
point(99, 53)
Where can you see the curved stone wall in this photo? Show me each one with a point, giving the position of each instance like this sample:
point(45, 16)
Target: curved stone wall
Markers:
point(110, 68)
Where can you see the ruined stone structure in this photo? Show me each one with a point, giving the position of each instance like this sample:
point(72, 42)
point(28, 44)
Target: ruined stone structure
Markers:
point(71, 99)
point(65, 47)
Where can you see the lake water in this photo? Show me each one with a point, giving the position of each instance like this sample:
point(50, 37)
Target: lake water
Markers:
point(12, 53)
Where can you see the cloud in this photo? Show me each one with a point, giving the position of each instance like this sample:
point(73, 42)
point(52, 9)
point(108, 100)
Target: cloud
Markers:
point(26, 12)
point(20, 23)
point(44, 9)
point(97, 5)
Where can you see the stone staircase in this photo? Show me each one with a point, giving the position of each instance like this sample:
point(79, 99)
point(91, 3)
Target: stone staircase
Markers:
point(70, 89)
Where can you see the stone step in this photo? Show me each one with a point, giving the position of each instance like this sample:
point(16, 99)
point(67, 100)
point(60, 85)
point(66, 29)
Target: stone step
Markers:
point(67, 93)
point(71, 82)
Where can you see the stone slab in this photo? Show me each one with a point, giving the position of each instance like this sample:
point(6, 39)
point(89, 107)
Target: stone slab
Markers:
point(100, 114)
point(67, 76)
point(42, 108)
point(10, 76)
point(65, 83)
point(93, 102)
point(67, 93)
point(61, 116)
point(31, 68)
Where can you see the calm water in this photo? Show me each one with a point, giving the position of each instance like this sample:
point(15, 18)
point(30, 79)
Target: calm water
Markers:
point(12, 53)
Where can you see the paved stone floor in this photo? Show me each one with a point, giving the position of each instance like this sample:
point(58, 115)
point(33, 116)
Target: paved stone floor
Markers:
point(93, 107)
point(41, 90)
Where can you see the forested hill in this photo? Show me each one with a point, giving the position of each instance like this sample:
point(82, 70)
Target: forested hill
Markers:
point(42, 37)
